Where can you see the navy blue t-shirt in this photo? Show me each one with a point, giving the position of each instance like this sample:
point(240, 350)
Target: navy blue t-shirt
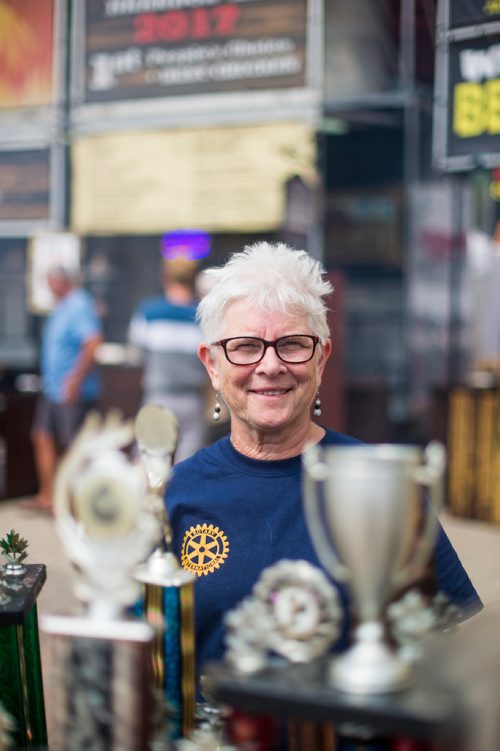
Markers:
point(233, 516)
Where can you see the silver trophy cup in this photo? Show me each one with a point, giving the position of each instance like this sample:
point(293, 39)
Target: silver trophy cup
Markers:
point(372, 529)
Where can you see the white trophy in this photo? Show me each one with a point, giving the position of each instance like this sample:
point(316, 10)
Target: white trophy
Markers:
point(373, 530)
point(102, 683)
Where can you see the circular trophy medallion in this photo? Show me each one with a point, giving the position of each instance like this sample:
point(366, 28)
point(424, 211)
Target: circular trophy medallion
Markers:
point(304, 607)
point(107, 503)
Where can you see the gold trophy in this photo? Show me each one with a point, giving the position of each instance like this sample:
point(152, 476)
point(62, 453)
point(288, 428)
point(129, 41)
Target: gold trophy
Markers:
point(364, 510)
point(168, 599)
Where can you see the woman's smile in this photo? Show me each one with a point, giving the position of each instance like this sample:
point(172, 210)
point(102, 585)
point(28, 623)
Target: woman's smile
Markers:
point(270, 392)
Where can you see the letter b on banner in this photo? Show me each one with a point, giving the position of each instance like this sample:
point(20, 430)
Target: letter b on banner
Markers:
point(476, 109)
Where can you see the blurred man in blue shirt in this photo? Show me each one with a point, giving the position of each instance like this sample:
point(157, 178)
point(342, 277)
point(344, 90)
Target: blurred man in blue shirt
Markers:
point(70, 381)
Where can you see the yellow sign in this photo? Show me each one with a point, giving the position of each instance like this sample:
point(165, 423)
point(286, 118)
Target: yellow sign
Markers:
point(220, 179)
point(495, 190)
point(477, 108)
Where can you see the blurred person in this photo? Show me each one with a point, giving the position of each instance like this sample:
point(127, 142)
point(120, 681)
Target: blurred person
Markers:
point(236, 506)
point(165, 330)
point(70, 380)
point(483, 280)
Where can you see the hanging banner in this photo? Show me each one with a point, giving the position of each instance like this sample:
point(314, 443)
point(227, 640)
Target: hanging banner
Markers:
point(474, 96)
point(216, 179)
point(26, 53)
point(471, 12)
point(467, 88)
point(158, 48)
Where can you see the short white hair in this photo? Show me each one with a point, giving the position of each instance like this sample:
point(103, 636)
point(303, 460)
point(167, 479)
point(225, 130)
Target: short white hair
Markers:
point(70, 274)
point(273, 277)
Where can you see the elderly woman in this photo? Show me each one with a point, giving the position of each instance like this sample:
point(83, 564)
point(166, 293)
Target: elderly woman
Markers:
point(236, 506)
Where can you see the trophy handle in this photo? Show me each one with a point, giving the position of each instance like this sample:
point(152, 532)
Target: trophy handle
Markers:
point(314, 472)
point(429, 476)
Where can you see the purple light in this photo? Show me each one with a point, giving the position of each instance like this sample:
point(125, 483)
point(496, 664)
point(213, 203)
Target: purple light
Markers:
point(185, 243)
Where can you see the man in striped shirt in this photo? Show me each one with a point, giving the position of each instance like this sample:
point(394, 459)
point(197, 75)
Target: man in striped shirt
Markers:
point(164, 328)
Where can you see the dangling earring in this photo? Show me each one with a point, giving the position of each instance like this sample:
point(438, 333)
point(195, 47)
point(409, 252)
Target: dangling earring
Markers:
point(317, 406)
point(217, 408)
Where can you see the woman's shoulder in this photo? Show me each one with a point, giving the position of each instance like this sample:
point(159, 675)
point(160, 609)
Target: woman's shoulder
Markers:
point(201, 461)
point(198, 478)
point(334, 438)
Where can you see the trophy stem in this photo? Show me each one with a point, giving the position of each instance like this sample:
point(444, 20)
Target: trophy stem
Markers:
point(167, 539)
point(369, 666)
point(168, 592)
point(157, 505)
point(103, 610)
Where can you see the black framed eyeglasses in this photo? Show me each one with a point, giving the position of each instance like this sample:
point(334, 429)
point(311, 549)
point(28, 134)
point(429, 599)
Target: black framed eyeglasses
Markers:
point(249, 350)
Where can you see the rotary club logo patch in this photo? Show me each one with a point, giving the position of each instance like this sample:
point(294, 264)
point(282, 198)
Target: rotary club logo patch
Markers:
point(204, 549)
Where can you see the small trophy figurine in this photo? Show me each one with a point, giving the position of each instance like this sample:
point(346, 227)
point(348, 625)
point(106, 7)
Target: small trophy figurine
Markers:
point(168, 588)
point(156, 434)
point(14, 551)
point(103, 689)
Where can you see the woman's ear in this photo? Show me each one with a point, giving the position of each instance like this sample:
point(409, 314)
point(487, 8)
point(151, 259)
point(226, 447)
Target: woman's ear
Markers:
point(326, 351)
point(206, 355)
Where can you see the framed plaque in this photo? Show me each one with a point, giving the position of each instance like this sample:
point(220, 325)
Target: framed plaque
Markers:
point(31, 188)
point(46, 250)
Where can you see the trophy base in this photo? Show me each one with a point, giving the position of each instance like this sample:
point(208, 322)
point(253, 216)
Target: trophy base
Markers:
point(369, 666)
point(101, 683)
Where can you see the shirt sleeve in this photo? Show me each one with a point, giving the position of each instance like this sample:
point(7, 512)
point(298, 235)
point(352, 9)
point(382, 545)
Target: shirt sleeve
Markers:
point(137, 330)
point(85, 321)
point(452, 579)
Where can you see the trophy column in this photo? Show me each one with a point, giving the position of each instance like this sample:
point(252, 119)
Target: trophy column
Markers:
point(170, 605)
point(168, 590)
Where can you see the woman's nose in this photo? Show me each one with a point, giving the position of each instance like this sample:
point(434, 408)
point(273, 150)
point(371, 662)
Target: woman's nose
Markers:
point(270, 362)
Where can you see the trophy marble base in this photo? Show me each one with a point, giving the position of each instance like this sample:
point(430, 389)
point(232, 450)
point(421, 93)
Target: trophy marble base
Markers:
point(432, 709)
point(369, 666)
point(102, 684)
point(21, 684)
